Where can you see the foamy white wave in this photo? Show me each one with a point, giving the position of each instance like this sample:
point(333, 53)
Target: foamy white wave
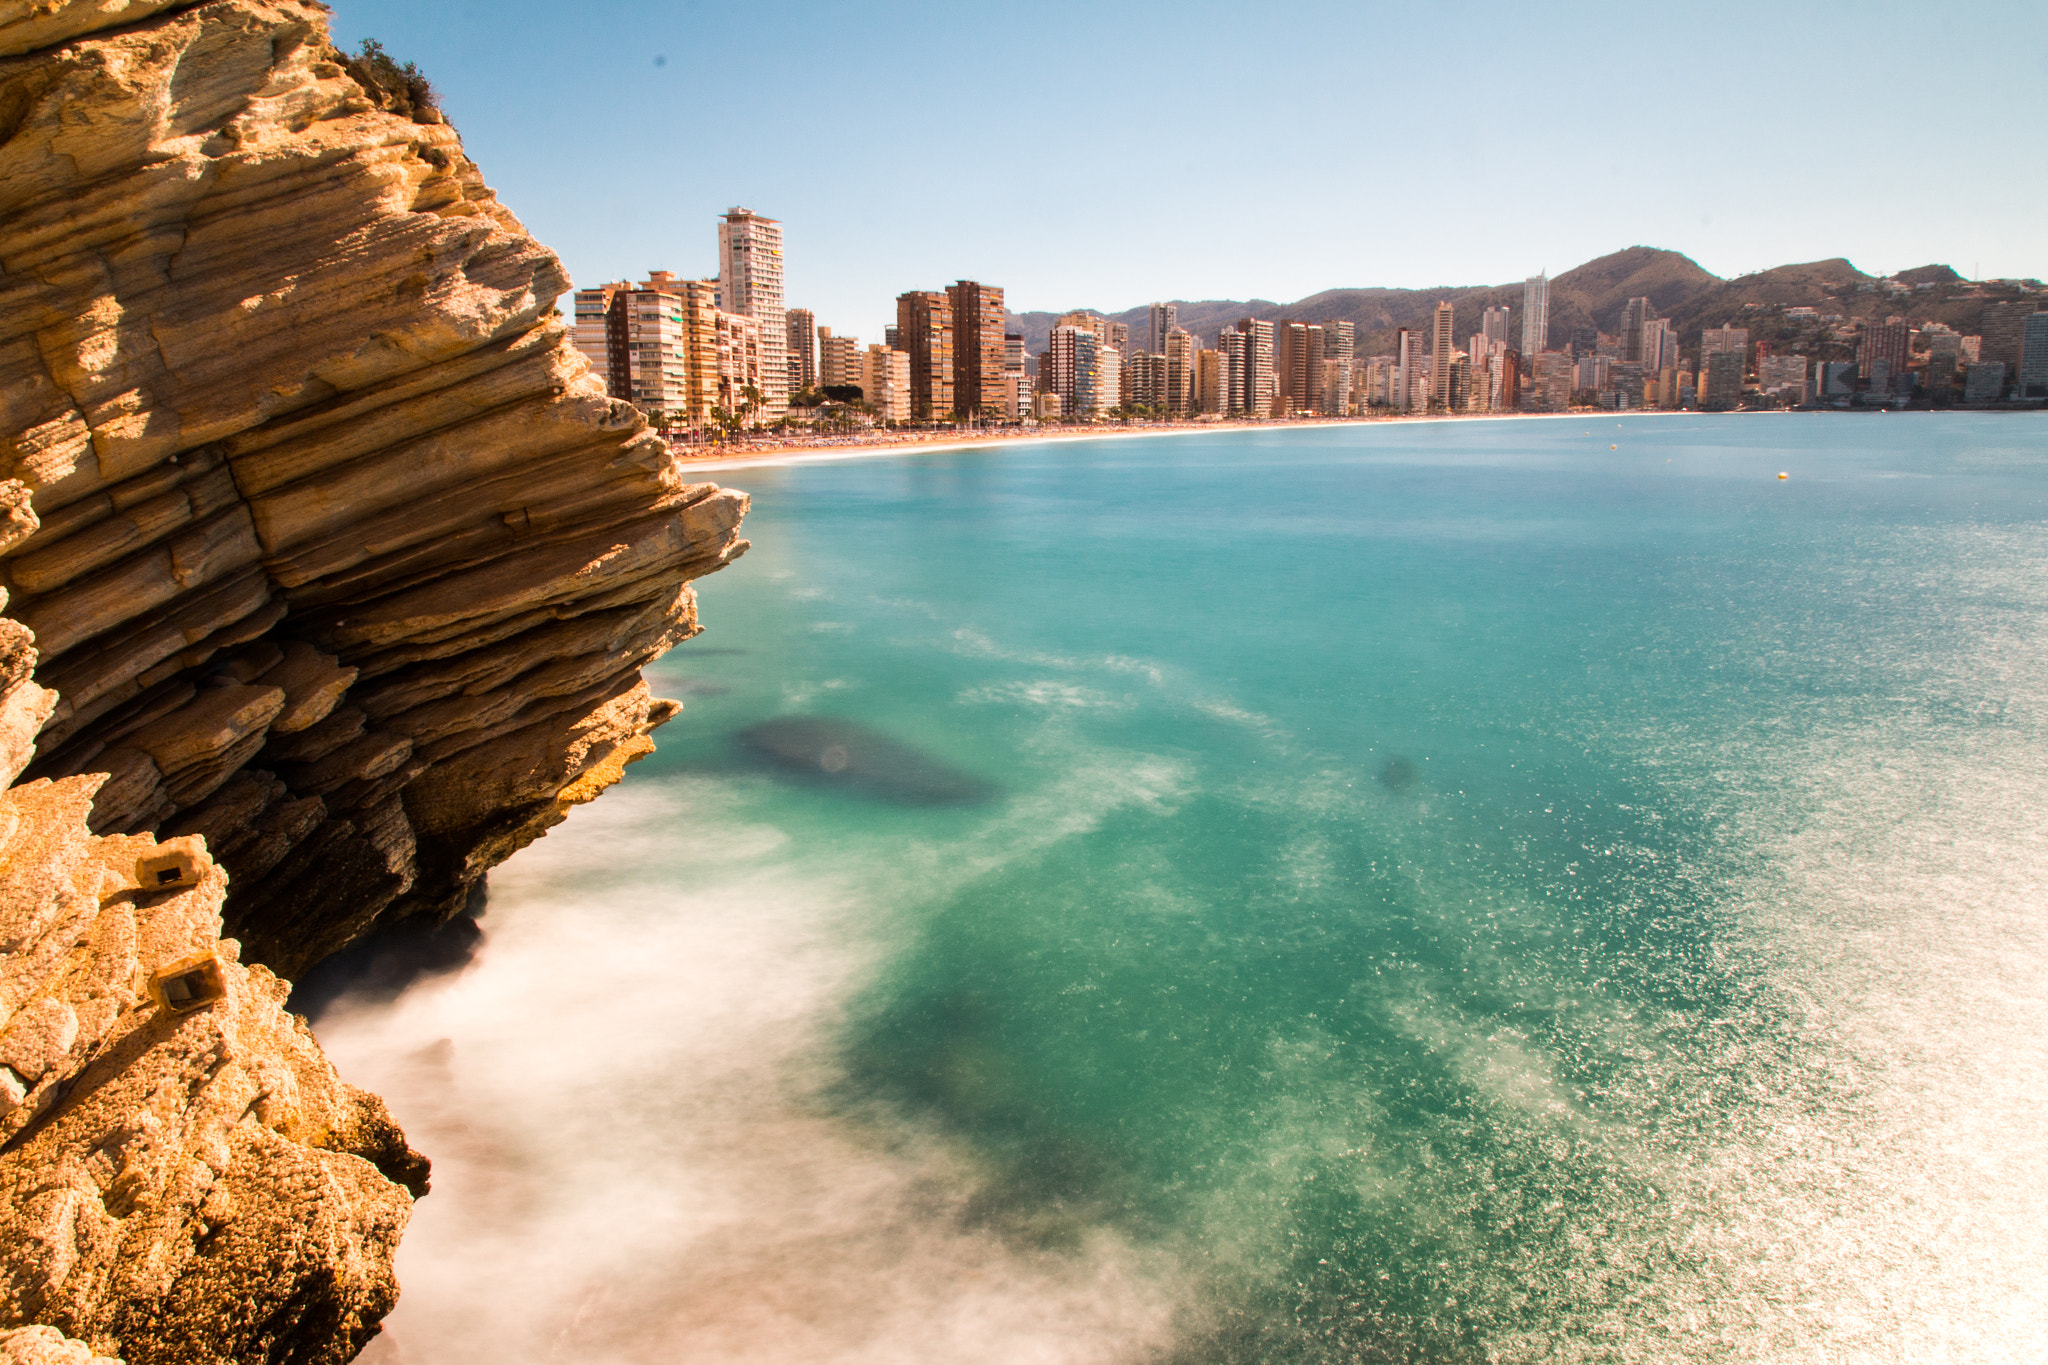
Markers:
point(632, 1159)
point(1043, 695)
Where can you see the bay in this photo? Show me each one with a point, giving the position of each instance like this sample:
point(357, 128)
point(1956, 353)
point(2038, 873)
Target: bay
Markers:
point(1515, 890)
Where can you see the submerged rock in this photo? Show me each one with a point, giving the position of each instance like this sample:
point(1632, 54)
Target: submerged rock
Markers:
point(851, 757)
point(1400, 774)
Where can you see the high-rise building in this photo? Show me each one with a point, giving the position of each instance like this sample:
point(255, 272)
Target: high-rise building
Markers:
point(1144, 380)
point(1164, 317)
point(1783, 375)
point(839, 360)
point(1715, 341)
point(1509, 389)
point(1340, 343)
point(1298, 366)
point(1535, 315)
point(1016, 378)
point(1255, 372)
point(700, 326)
point(977, 349)
point(1087, 374)
point(647, 350)
point(1440, 350)
point(1179, 376)
point(1333, 393)
point(924, 329)
point(1212, 382)
point(1554, 381)
point(1882, 344)
point(800, 325)
point(1944, 352)
point(750, 284)
point(1231, 347)
point(2033, 375)
point(885, 383)
point(1493, 325)
point(742, 367)
point(1659, 345)
point(593, 310)
point(1634, 314)
point(1721, 377)
point(2004, 333)
point(1984, 382)
point(1407, 366)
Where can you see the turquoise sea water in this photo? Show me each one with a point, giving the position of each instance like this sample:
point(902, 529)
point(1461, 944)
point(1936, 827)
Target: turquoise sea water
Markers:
point(1506, 891)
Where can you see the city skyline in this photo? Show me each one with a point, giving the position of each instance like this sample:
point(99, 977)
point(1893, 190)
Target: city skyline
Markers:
point(1771, 141)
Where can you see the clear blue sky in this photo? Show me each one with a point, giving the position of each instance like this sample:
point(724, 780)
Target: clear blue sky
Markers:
point(1104, 154)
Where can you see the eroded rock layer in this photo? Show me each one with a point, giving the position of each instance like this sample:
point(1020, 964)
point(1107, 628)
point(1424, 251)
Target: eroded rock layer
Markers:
point(327, 572)
point(334, 551)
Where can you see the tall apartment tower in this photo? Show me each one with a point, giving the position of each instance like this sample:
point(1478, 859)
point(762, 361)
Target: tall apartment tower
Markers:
point(802, 345)
point(1340, 344)
point(1407, 362)
point(1256, 387)
point(1016, 379)
point(1633, 315)
point(978, 350)
point(1535, 316)
point(924, 328)
point(1164, 318)
point(647, 349)
point(1493, 325)
point(593, 310)
point(1181, 393)
point(1719, 340)
point(750, 285)
point(1440, 348)
point(1882, 344)
point(839, 360)
point(1298, 366)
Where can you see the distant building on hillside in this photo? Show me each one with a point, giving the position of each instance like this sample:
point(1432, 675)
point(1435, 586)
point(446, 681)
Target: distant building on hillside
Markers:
point(1535, 314)
point(1634, 314)
point(1493, 325)
point(750, 284)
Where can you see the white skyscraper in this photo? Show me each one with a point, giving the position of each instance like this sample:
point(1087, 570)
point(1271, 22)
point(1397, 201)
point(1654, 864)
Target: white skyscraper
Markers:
point(750, 285)
point(1535, 315)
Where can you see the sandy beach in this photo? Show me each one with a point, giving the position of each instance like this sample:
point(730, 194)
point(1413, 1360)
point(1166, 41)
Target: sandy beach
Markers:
point(933, 442)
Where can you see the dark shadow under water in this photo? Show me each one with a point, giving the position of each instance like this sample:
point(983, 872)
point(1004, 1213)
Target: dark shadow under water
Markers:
point(844, 756)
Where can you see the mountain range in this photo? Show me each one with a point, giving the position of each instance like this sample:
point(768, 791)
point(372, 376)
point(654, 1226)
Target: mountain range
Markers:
point(1594, 295)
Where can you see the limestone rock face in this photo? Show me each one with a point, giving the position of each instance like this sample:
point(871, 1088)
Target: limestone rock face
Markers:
point(174, 1187)
point(334, 551)
point(328, 571)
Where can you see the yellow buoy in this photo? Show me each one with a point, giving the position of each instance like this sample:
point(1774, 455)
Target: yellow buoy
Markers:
point(1783, 475)
point(1614, 447)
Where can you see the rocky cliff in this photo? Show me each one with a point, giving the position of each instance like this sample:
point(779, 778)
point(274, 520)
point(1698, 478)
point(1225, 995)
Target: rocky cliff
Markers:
point(323, 557)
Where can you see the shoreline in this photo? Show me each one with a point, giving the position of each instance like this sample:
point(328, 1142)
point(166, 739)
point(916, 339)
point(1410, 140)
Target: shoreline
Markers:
point(937, 442)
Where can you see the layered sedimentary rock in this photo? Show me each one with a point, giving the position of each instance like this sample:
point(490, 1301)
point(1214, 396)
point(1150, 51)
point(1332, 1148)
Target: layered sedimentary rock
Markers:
point(175, 1186)
point(325, 564)
point(336, 553)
